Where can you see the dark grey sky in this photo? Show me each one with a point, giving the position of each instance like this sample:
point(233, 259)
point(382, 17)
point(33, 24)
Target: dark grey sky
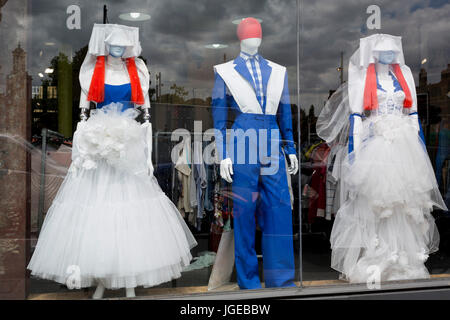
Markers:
point(173, 39)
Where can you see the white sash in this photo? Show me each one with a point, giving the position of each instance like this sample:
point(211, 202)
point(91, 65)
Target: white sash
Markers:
point(243, 92)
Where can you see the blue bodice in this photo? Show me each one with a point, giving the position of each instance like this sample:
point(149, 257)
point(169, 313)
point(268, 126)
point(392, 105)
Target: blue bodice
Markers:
point(119, 94)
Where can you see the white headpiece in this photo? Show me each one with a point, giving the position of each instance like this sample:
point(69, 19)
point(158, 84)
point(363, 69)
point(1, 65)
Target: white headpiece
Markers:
point(370, 47)
point(104, 35)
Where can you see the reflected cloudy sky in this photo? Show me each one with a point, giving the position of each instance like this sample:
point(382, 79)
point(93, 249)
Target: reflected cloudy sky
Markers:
point(173, 39)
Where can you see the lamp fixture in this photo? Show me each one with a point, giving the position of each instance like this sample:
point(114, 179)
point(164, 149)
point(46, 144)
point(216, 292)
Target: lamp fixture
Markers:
point(49, 70)
point(424, 61)
point(134, 16)
point(216, 46)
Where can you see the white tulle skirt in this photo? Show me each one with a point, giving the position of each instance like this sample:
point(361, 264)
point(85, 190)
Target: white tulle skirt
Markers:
point(110, 221)
point(385, 230)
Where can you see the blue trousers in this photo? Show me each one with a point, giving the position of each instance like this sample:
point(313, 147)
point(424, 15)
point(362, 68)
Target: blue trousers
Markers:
point(261, 195)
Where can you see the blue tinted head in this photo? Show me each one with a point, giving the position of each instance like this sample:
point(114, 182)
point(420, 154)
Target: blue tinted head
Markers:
point(116, 51)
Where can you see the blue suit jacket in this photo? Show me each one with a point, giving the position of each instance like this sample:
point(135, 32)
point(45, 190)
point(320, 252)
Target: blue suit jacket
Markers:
point(223, 101)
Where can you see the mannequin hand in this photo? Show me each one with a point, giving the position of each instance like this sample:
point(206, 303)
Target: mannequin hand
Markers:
point(293, 164)
point(226, 169)
point(83, 115)
point(414, 118)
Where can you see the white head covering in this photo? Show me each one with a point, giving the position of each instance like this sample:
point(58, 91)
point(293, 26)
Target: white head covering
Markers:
point(105, 35)
point(368, 52)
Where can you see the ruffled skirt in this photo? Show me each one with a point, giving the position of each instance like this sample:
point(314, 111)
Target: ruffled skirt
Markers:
point(112, 223)
point(385, 230)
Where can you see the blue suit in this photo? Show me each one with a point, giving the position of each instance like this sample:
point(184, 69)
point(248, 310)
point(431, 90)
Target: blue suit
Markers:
point(260, 189)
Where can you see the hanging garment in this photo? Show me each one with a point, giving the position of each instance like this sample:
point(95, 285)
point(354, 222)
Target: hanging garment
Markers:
point(259, 183)
point(317, 204)
point(200, 182)
point(184, 171)
point(333, 181)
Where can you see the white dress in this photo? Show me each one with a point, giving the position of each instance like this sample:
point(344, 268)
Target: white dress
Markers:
point(385, 226)
point(110, 220)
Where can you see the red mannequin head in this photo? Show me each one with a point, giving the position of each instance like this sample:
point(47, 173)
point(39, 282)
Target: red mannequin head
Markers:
point(249, 28)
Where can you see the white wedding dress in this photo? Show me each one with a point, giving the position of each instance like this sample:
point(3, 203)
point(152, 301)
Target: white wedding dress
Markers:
point(110, 220)
point(385, 226)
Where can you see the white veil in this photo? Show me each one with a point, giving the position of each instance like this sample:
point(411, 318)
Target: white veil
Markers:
point(332, 123)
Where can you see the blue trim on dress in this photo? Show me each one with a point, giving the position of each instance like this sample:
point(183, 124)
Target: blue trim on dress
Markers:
point(422, 136)
point(397, 86)
point(350, 138)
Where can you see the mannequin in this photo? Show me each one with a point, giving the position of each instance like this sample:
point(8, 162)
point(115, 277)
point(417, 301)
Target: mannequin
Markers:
point(110, 219)
point(384, 224)
point(256, 91)
point(115, 74)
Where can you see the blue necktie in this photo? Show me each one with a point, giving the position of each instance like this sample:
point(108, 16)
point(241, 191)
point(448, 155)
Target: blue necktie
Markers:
point(255, 75)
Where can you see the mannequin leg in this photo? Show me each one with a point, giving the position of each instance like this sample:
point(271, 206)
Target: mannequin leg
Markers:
point(245, 192)
point(98, 294)
point(276, 224)
point(130, 293)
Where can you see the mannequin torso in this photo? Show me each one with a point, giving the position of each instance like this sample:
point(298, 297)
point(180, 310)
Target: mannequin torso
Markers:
point(390, 98)
point(116, 71)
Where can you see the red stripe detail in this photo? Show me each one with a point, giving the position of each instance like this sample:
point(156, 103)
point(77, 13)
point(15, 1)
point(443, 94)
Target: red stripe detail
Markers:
point(137, 95)
point(97, 86)
point(370, 89)
point(407, 103)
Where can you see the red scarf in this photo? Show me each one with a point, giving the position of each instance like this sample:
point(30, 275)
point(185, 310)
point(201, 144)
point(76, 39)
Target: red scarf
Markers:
point(370, 89)
point(97, 87)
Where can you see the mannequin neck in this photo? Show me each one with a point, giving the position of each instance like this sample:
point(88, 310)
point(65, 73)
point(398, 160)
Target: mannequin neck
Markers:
point(113, 61)
point(382, 69)
point(248, 48)
point(116, 72)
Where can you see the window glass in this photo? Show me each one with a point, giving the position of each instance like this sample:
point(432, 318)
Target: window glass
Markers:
point(368, 184)
point(93, 216)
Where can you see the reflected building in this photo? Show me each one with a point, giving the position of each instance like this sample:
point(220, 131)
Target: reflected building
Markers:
point(437, 92)
point(434, 110)
point(15, 114)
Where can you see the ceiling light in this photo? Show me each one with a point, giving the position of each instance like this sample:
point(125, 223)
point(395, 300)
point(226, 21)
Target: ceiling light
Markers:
point(216, 46)
point(40, 74)
point(49, 70)
point(49, 43)
point(238, 20)
point(424, 61)
point(134, 16)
